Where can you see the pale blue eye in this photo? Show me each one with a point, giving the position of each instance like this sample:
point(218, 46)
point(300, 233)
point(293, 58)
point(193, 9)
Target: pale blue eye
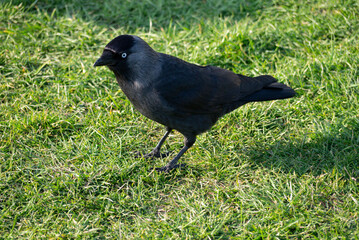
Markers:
point(124, 55)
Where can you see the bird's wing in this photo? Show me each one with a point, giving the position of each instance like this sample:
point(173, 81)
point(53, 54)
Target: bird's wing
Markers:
point(203, 90)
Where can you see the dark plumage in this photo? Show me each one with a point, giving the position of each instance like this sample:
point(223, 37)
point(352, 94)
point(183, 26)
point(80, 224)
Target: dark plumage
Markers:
point(180, 95)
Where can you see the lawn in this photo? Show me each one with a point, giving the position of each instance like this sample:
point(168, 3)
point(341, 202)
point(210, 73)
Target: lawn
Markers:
point(285, 169)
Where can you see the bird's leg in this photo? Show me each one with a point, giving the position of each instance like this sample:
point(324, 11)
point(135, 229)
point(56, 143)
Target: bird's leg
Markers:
point(156, 152)
point(189, 141)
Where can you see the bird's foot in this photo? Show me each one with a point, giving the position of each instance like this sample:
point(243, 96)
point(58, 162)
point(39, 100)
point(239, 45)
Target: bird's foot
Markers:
point(152, 155)
point(167, 169)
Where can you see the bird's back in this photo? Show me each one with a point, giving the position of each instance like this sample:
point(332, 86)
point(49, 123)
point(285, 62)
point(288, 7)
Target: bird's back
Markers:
point(194, 89)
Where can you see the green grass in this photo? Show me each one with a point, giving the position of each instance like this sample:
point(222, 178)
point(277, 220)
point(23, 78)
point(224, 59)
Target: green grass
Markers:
point(286, 169)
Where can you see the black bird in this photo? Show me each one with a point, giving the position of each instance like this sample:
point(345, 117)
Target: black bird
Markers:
point(179, 95)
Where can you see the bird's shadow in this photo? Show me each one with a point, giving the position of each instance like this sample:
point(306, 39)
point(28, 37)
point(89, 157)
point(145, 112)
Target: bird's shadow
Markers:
point(334, 149)
point(323, 152)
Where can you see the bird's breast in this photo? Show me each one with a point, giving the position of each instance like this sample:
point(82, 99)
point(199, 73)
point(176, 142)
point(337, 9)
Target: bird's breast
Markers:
point(146, 101)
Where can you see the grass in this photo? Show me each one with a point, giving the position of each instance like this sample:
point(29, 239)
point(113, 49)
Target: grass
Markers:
point(286, 169)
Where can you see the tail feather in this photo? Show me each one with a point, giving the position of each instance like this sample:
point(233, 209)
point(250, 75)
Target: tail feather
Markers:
point(272, 91)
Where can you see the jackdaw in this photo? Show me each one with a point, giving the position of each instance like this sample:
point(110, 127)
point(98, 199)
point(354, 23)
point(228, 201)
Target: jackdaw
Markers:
point(180, 95)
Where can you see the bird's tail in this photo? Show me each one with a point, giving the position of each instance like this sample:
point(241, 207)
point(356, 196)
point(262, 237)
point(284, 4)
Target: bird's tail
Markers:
point(272, 91)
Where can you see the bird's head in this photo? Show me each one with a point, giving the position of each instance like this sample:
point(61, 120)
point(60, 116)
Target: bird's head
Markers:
point(128, 56)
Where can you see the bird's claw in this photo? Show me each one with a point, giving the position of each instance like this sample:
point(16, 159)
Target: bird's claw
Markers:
point(167, 169)
point(151, 155)
point(148, 155)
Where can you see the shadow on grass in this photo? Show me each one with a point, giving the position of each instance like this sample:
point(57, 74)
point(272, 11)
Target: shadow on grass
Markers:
point(317, 153)
point(132, 15)
point(334, 148)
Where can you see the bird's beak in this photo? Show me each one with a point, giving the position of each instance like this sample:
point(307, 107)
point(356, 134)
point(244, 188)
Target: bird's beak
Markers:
point(100, 62)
